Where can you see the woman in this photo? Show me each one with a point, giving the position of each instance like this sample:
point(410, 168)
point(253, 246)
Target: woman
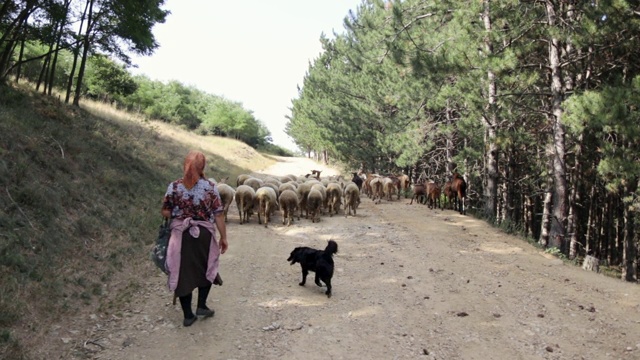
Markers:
point(193, 204)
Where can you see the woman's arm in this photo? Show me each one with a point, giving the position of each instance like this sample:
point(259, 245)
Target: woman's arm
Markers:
point(222, 228)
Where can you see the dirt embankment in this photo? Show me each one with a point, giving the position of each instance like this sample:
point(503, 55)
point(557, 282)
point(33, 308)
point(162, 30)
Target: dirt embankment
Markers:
point(410, 283)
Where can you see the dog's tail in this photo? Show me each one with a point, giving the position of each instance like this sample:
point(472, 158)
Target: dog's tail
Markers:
point(332, 248)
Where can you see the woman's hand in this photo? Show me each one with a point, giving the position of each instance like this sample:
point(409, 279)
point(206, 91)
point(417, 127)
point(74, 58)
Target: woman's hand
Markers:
point(222, 229)
point(224, 245)
point(166, 213)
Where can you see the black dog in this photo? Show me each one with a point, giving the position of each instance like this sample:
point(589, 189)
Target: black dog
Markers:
point(318, 261)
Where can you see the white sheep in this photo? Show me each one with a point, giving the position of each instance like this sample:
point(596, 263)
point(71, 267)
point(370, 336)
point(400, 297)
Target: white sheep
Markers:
point(351, 199)
point(303, 192)
point(266, 200)
point(288, 205)
point(314, 203)
point(244, 201)
point(323, 191)
point(334, 197)
point(226, 195)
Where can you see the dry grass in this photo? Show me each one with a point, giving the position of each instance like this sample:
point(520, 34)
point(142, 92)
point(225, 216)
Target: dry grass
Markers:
point(80, 192)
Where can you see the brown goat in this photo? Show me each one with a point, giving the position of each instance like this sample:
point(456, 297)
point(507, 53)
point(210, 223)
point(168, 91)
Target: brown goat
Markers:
point(419, 193)
point(448, 195)
point(433, 195)
point(459, 187)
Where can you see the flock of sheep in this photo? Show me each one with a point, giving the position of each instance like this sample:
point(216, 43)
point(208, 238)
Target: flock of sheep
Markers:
point(291, 194)
point(315, 196)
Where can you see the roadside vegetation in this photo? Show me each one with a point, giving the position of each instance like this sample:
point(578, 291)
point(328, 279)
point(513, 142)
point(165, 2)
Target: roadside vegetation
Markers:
point(80, 192)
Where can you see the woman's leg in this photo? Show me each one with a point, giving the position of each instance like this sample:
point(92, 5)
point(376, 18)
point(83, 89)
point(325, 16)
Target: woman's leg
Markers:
point(189, 317)
point(203, 294)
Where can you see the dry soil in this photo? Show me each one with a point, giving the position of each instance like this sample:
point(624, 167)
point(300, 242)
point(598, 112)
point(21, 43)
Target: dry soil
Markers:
point(410, 283)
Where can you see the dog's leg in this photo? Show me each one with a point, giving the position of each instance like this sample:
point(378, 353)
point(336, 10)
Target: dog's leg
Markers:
point(318, 280)
point(328, 282)
point(304, 277)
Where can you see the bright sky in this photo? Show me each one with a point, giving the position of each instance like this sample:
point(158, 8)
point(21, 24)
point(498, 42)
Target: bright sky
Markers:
point(251, 51)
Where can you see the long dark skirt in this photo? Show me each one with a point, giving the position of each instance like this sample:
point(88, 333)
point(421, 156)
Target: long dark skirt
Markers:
point(193, 262)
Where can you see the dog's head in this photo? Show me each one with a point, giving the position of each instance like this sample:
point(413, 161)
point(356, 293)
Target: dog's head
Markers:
point(295, 255)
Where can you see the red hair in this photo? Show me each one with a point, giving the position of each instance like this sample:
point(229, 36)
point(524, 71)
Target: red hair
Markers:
point(193, 168)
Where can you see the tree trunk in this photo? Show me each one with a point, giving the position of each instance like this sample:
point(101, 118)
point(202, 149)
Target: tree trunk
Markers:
point(9, 34)
point(630, 252)
point(20, 56)
point(574, 197)
point(76, 53)
point(546, 207)
point(63, 23)
point(43, 71)
point(490, 123)
point(85, 54)
point(449, 143)
point(557, 231)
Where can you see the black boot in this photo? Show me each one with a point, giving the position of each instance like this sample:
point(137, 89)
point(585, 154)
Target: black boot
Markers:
point(189, 317)
point(203, 310)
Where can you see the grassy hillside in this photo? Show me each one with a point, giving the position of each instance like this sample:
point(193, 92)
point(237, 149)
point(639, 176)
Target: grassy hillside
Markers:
point(80, 191)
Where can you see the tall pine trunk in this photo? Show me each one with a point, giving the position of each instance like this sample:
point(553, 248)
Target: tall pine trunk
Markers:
point(546, 205)
point(573, 223)
point(557, 231)
point(630, 251)
point(490, 124)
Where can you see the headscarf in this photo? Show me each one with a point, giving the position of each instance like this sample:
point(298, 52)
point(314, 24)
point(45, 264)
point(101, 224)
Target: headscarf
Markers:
point(193, 168)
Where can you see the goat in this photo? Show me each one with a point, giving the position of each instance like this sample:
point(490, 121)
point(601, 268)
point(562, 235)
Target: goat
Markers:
point(459, 187)
point(357, 180)
point(419, 193)
point(433, 195)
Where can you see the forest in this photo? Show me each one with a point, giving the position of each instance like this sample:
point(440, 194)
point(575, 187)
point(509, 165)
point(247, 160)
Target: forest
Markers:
point(82, 49)
point(534, 102)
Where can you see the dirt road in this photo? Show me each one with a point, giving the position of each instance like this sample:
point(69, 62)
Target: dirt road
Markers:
point(410, 283)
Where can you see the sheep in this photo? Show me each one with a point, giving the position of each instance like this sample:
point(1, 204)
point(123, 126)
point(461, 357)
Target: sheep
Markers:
point(288, 205)
point(287, 186)
point(351, 199)
point(314, 202)
point(334, 197)
point(404, 185)
point(241, 178)
point(226, 195)
point(388, 187)
point(244, 201)
point(292, 177)
point(303, 192)
point(255, 183)
point(323, 191)
point(275, 188)
point(376, 189)
point(265, 201)
point(271, 180)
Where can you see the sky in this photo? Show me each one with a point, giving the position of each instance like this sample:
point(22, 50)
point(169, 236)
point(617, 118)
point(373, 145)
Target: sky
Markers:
point(255, 52)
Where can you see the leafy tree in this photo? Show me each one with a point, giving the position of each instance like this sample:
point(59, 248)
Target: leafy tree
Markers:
point(108, 81)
